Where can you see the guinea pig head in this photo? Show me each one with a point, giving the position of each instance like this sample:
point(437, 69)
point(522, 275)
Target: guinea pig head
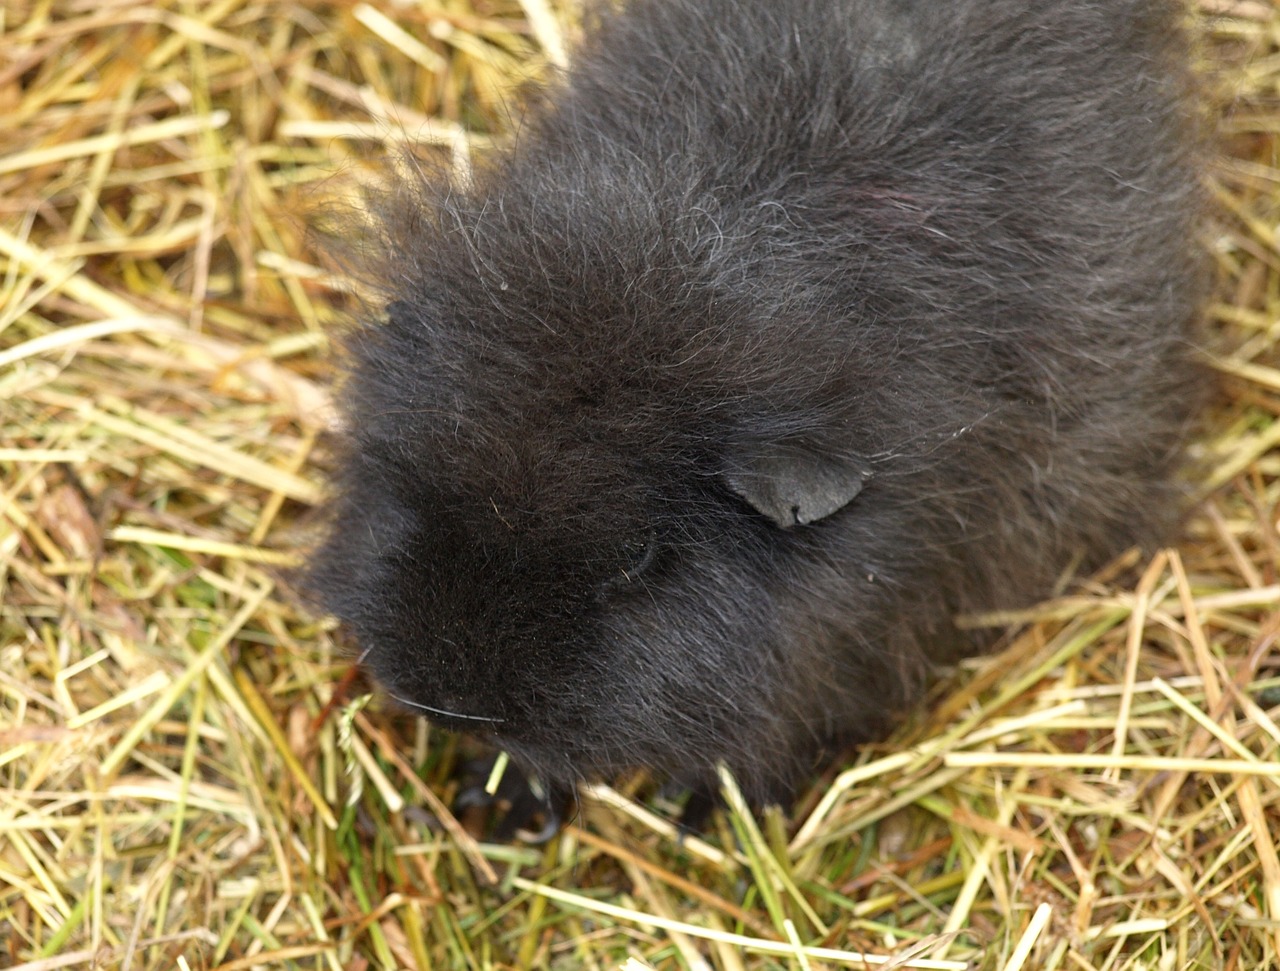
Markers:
point(585, 560)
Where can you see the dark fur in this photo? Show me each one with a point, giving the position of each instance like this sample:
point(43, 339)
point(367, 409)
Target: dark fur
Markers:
point(943, 248)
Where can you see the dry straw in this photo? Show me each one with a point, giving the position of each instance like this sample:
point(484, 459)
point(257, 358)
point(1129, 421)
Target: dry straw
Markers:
point(184, 781)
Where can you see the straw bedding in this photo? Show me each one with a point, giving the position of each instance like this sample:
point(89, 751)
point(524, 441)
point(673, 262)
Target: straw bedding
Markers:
point(191, 775)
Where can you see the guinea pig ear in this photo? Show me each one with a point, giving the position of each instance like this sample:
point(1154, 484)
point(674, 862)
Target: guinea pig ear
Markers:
point(792, 484)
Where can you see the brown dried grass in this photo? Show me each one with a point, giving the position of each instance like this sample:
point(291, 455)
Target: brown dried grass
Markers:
point(185, 781)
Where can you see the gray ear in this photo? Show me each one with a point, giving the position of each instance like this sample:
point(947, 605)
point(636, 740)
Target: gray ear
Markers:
point(794, 486)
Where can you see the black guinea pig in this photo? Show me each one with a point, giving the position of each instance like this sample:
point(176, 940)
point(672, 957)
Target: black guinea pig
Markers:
point(782, 332)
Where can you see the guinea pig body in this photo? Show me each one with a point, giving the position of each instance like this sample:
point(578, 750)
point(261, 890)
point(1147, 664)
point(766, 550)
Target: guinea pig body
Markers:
point(784, 331)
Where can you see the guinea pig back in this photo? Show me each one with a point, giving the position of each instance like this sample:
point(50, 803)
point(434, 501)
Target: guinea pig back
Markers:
point(782, 332)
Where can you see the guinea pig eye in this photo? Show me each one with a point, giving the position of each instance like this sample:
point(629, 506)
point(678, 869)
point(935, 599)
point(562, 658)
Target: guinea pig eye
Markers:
point(638, 554)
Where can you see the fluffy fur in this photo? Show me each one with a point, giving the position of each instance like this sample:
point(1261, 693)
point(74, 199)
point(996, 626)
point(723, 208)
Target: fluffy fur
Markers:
point(938, 253)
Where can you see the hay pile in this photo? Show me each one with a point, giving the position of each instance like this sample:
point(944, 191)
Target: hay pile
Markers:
point(185, 779)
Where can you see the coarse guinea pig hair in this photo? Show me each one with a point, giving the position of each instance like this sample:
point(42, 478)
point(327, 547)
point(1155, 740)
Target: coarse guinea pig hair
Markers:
point(782, 332)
